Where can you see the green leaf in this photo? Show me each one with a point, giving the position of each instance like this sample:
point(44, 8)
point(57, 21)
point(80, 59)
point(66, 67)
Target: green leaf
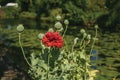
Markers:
point(82, 54)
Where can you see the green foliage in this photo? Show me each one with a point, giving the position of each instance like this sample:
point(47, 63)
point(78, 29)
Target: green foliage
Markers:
point(114, 12)
point(61, 65)
point(11, 12)
point(85, 11)
point(27, 15)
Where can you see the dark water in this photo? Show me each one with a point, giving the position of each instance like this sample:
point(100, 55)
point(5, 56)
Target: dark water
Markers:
point(11, 23)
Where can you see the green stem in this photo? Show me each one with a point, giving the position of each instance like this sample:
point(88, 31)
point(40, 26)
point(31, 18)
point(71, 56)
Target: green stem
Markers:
point(82, 42)
point(23, 50)
point(65, 31)
point(93, 42)
point(61, 74)
point(85, 75)
point(48, 65)
point(85, 44)
point(73, 47)
point(66, 47)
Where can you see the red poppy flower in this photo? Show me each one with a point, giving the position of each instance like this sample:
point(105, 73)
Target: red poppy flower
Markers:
point(52, 39)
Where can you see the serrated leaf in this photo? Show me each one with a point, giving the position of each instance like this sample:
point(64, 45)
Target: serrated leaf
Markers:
point(82, 55)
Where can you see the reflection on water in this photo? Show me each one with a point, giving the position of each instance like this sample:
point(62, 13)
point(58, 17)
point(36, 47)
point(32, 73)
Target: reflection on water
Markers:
point(94, 59)
point(8, 27)
point(10, 23)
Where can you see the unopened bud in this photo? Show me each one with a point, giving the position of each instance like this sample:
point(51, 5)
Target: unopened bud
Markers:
point(40, 35)
point(50, 30)
point(75, 40)
point(20, 28)
point(60, 30)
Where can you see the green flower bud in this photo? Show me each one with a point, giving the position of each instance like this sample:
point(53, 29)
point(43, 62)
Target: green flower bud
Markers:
point(40, 35)
point(58, 25)
point(75, 40)
point(96, 26)
point(58, 17)
point(82, 31)
point(84, 34)
point(66, 22)
point(20, 28)
point(88, 36)
point(50, 30)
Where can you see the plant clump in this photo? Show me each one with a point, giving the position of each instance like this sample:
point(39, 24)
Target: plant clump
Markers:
point(55, 61)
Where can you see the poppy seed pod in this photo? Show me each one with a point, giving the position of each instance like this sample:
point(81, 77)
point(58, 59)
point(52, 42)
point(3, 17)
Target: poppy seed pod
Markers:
point(96, 26)
point(66, 22)
point(20, 28)
point(58, 25)
point(58, 17)
point(60, 30)
point(50, 30)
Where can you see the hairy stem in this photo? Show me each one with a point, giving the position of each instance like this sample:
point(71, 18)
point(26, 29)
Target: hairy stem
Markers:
point(85, 74)
point(73, 47)
point(23, 50)
point(82, 42)
point(65, 31)
point(48, 62)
